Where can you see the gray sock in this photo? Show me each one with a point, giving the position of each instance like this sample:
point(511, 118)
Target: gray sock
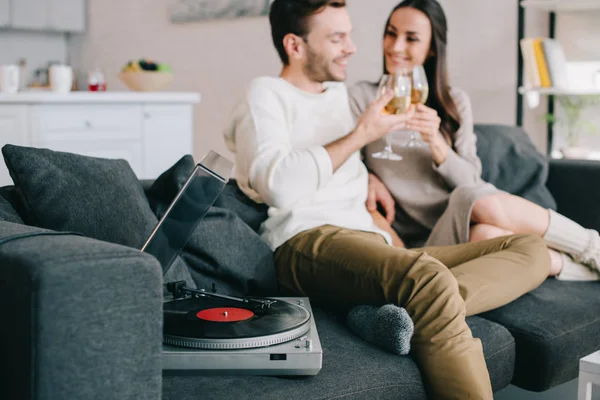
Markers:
point(389, 326)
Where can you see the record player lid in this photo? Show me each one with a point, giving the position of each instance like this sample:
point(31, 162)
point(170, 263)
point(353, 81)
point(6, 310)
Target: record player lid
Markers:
point(202, 188)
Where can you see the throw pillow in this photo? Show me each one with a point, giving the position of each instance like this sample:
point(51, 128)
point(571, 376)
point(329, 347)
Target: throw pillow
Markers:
point(100, 198)
point(7, 211)
point(224, 252)
point(164, 189)
point(512, 163)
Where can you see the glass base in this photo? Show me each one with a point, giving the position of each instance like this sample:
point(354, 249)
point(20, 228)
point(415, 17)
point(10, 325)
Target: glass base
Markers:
point(387, 155)
point(415, 144)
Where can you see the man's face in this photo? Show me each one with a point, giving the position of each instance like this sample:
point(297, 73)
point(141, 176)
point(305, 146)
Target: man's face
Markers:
point(328, 45)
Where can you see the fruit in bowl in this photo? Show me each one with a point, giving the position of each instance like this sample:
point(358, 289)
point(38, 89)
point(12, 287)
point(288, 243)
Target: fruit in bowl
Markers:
point(146, 75)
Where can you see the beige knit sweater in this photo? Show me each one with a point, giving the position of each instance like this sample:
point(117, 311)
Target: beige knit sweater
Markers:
point(420, 188)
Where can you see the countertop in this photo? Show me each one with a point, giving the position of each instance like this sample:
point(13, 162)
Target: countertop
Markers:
point(44, 97)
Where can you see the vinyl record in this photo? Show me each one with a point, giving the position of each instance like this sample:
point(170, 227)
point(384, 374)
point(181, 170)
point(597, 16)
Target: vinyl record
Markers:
point(208, 323)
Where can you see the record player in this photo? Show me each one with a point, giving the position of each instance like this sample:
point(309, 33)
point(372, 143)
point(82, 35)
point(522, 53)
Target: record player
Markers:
point(212, 333)
point(221, 335)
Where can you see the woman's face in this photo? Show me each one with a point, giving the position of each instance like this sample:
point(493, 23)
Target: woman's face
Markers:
point(407, 40)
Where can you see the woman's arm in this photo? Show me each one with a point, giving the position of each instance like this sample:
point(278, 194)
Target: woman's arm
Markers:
point(462, 166)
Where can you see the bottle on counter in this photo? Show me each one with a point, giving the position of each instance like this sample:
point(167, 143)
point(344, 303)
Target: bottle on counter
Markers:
point(96, 81)
point(23, 74)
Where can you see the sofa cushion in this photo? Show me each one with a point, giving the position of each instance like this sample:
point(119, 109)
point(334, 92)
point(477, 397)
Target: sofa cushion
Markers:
point(223, 252)
point(352, 369)
point(235, 200)
point(7, 211)
point(553, 326)
point(164, 189)
point(512, 163)
point(99, 198)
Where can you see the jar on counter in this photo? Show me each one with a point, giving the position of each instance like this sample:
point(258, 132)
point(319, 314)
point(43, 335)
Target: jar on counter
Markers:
point(96, 81)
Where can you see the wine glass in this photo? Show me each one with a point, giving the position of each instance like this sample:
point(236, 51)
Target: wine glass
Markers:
point(400, 84)
point(419, 93)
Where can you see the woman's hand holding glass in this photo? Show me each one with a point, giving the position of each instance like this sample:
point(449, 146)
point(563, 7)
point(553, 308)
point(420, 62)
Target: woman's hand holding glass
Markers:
point(400, 85)
point(427, 122)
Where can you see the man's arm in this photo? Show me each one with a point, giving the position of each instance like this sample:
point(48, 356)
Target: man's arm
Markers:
point(372, 125)
point(282, 175)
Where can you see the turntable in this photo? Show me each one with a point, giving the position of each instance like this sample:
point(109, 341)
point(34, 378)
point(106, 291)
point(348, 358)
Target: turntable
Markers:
point(211, 333)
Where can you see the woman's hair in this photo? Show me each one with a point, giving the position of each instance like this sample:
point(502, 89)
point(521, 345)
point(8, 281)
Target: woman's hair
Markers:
point(436, 66)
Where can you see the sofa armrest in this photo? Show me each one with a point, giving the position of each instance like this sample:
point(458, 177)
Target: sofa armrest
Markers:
point(81, 318)
point(575, 186)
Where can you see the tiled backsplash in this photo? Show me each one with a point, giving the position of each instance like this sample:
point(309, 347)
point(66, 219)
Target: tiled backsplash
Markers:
point(38, 48)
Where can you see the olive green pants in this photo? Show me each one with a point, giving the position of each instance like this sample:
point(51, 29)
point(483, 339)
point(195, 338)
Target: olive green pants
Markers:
point(438, 286)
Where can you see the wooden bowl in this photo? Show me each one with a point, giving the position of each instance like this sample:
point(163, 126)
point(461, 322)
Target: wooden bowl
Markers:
point(146, 81)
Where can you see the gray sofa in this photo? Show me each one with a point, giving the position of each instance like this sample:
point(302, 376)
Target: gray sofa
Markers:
point(82, 317)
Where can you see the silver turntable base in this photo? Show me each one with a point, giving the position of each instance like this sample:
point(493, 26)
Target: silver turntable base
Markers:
point(301, 356)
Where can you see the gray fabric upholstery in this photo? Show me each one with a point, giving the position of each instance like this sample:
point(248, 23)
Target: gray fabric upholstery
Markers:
point(100, 198)
point(553, 326)
point(233, 199)
point(113, 348)
point(224, 253)
point(352, 369)
point(7, 211)
point(574, 184)
point(512, 163)
point(82, 319)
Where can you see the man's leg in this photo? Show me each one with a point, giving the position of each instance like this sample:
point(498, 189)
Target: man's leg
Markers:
point(341, 268)
point(495, 272)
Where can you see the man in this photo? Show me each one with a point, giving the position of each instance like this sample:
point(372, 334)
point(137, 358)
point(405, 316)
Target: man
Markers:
point(297, 150)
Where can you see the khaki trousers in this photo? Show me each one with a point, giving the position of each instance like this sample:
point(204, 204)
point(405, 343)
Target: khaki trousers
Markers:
point(438, 286)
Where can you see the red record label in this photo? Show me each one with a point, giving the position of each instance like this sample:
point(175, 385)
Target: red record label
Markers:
point(225, 314)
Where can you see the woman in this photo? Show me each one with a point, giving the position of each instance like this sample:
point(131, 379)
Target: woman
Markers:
point(441, 197)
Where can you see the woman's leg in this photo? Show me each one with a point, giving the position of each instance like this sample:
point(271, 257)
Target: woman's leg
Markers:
point(516, 214)
point(480, 232)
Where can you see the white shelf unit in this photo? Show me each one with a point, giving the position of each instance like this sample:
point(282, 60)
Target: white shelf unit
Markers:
point(562, 5)
point(531, 95)
point(560, 91)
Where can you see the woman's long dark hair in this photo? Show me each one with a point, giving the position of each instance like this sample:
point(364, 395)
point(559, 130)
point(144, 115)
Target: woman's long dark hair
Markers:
point(436, 66)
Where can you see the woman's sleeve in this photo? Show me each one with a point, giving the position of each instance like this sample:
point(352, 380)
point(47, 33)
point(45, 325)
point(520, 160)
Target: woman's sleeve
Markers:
point(462, 165)
point(359, 101)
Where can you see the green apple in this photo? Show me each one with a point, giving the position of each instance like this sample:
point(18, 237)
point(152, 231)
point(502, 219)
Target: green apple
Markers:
point(164, 68)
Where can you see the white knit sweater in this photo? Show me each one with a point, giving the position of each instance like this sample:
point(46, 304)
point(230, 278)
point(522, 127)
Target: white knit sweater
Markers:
point(278, 133)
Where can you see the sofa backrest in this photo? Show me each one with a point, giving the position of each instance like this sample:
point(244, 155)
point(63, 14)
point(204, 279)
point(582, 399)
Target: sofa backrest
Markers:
point(9, 203)
point(512, 163)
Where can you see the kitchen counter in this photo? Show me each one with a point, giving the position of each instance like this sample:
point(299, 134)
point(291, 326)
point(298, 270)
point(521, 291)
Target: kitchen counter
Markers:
point(45, 97)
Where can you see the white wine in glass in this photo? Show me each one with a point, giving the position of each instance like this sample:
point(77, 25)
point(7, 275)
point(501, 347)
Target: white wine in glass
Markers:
point(400, 84)
point(419, 94)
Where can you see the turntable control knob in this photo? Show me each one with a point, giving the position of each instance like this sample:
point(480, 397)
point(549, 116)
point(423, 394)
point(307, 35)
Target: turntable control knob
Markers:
point(308, 343)
point(225, 313)
point(300, 302)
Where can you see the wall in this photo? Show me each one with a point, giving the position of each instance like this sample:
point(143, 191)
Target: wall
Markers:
point(37, 47)
point(219, 58)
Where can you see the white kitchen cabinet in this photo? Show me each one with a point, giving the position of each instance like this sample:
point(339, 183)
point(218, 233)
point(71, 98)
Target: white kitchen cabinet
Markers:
point(67, 15)
point(13, 129)
point(149, 130)
point(4, 13)
point(29, 14)
point(53, 15)
point(166, 133)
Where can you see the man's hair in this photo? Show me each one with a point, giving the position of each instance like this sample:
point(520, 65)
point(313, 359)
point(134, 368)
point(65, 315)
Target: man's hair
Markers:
point(292, 16)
